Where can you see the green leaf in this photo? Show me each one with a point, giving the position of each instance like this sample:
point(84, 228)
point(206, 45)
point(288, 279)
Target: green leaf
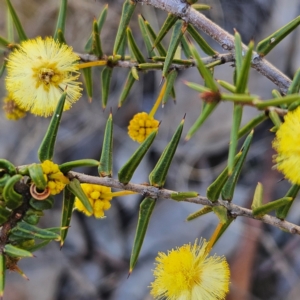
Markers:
point(146, 37)
point(7, 166)
point(226, 85)
point(100, 23)
point(201, 41)
point(3, 180)
point(134, 47)
point(9, 26)
point(61, 37)
point(96, 48)
point(105, 166)
point(229, 187)
point(276, 94)
point(205, 73)
point(158, 175)
point(214, 190)
point(273, 115)
point(2, 274)
point(4, 215)
point(87, 74)
point(295, 85)
point(126, 172)
point(67, 210)
point(26, 230)
point(171, 77)
point(122, 48)
point(46, 149)
point(236, 122)
point(75, 187)
point(150, 66)
point(146, 209)
point(197, 87)
point(289, 99)
point(238, 52)
point(135, 73)
point(185, 47)
point(161, 50)
point(16, 252)
point(178, 31)
point(126, 88)
point(206, 112)
point(61, 20)
point(4, 42)
point(258, 196)
point(3, 67)
point(68, 166)
point(37, 176)
point(32, 216)
point(282, 212)
point(203, 211)
point(262, 210)
point(242, 77)
point(12, 199)
point(267, 44)
point(38, 246)
point(252, 124)
point(200, 7)
point(128, 9)
point(19, 28)
point(106, 75)
point(167, 25)
point(42, 205)
point(180, 196)
point(239, 98)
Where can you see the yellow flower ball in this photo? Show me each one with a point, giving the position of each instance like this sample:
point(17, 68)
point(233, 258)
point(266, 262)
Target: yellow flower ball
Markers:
point(141, 126)
point(56, 180)
point(38, 72)
point(99, 197)
point(286, 143)
point(187, 273)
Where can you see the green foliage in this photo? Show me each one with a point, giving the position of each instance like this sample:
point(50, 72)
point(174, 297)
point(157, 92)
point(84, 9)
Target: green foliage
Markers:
point(20, 187)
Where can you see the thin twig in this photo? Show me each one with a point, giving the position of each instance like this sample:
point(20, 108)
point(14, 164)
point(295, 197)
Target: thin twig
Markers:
point(156, 193)
point(186, 12)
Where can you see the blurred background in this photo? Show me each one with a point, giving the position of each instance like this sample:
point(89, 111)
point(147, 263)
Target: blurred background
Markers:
point(93, 263)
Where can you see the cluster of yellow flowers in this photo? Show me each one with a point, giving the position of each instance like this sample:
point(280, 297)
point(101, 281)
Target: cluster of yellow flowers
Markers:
point(56, 180)
point(99, 197)
point(141, 126)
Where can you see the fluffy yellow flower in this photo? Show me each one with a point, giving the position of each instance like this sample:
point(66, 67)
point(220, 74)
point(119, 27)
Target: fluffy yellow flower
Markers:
point(286, 143)
point(186, 273)
point(38, 72)
point(56, 180)
point(12, 109)
point(141, 126)
point(99, 197)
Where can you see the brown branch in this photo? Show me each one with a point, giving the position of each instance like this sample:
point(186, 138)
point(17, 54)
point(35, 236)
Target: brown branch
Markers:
point(156, 193)
point(186, 12)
